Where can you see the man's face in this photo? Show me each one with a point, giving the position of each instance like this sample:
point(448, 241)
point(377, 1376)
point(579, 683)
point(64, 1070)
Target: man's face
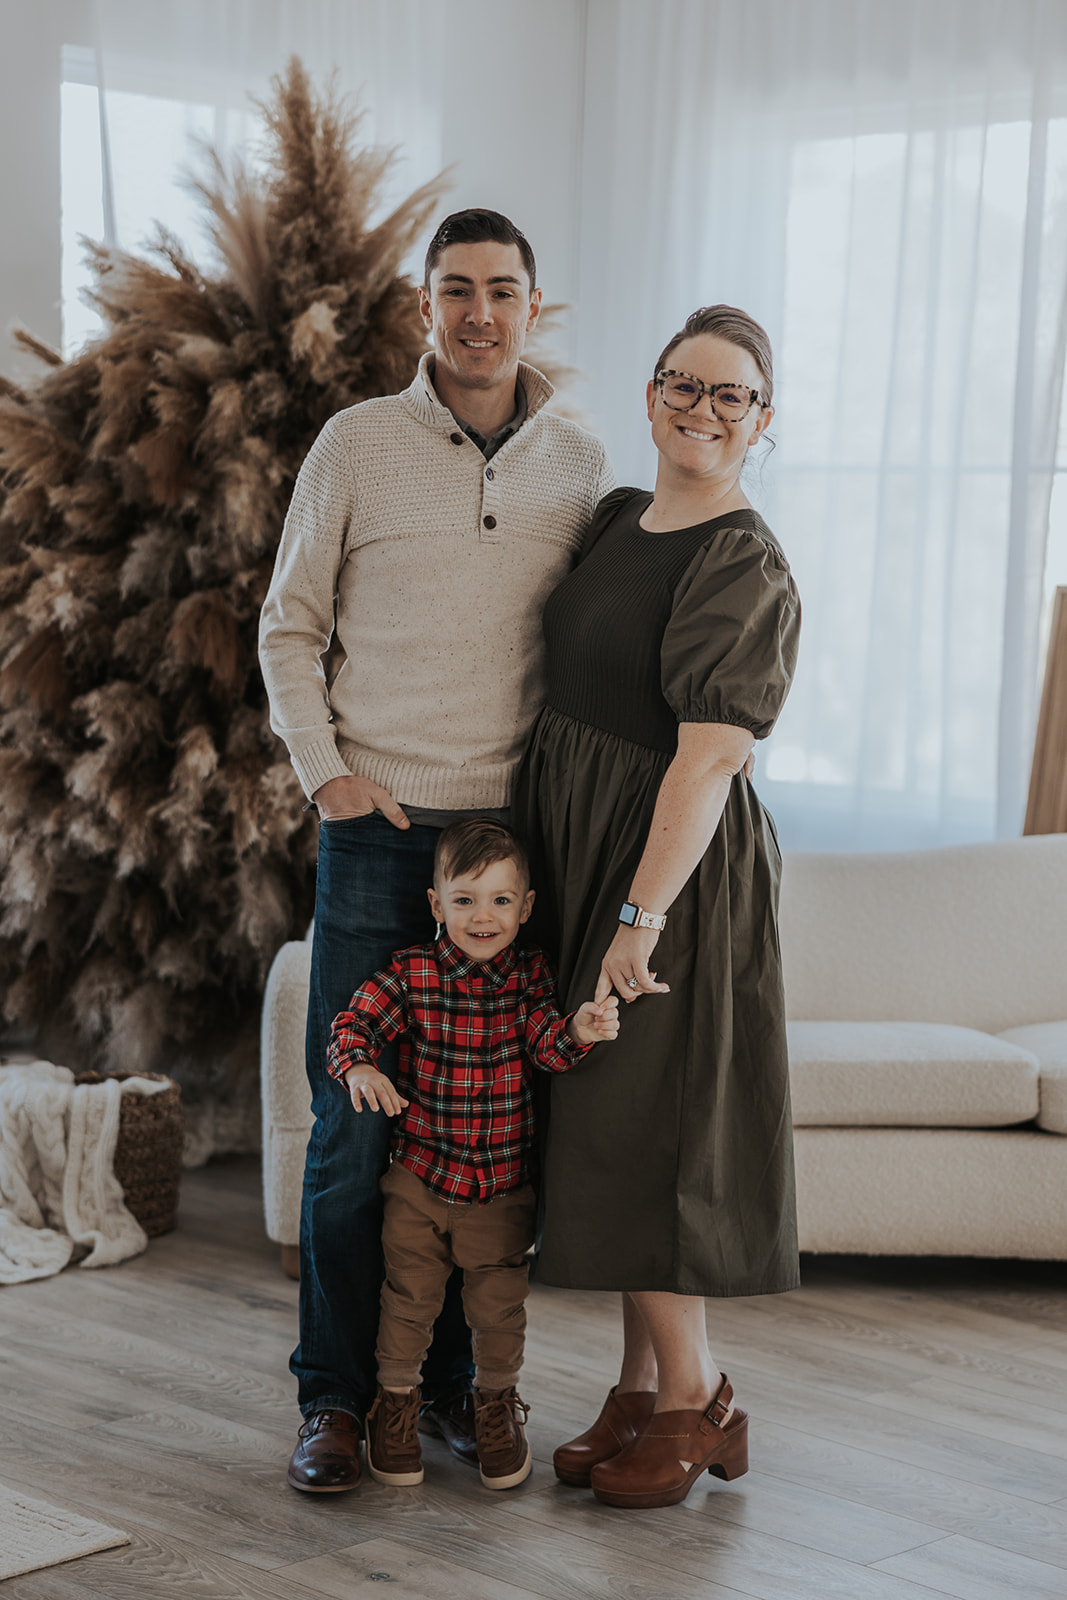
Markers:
point(479, 308)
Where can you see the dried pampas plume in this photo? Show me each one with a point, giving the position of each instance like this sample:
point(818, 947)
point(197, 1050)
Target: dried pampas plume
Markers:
point(153, 849)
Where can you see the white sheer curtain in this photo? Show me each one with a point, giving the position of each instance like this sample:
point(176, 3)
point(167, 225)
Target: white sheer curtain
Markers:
point(223, 51)
point(157, 77)
point(886, 190)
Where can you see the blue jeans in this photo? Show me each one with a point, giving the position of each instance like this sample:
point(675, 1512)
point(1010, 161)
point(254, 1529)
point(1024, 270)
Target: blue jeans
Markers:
point(370, 899)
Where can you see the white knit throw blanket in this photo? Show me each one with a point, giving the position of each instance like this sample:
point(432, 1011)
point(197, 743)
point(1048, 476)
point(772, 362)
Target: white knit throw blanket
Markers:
point(58, 1190)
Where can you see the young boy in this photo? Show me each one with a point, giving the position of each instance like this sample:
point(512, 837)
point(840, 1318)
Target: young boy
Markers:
point(474, 1014)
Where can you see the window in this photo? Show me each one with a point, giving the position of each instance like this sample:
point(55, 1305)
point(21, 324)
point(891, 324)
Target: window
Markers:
point(892, 486)
point(152, 141)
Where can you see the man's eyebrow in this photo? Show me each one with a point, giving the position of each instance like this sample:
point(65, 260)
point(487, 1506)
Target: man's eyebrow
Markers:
point(460, 277)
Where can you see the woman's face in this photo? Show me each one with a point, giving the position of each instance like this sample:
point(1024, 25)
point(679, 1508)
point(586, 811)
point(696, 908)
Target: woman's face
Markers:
point(698, 443)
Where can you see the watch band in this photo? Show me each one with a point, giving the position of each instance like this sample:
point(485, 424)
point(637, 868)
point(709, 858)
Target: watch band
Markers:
point(635, 916)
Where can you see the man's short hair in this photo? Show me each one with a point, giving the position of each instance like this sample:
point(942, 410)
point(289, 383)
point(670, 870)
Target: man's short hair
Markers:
point(475, 226)
point(466, 848)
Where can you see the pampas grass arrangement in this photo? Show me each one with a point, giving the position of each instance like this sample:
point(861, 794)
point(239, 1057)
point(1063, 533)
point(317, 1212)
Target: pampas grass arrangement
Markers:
point(153, 848)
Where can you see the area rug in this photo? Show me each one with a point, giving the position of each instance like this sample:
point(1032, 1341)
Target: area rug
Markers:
point(34, 1535)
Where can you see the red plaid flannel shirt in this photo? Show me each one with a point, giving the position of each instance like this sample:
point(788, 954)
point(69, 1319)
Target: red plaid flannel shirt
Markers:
point(469, 1033)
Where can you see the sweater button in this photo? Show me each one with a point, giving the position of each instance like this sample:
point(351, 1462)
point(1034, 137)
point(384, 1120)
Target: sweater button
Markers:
point(489, 473)
point(456, 438)
point(488, 522)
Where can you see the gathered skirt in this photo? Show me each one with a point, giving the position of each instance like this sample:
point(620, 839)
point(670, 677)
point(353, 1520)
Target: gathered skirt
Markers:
point(668, 1157)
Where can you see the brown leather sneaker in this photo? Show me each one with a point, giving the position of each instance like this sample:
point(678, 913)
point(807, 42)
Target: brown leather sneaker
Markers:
point(503, 1455)
point(326, 1458)
point(621, 1419)
point(394, 1454)
point(453, 1421)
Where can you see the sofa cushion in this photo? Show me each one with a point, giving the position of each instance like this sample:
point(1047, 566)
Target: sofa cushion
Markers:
point(968, 934)
point(1048, 1042)
point(908, 1074)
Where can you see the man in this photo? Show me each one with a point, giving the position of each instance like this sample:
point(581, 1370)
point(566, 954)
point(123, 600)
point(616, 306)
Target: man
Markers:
point(428, 528)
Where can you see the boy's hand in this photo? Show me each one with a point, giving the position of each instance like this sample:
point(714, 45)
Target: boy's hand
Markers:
point(366, 1083)
point(595, 1021)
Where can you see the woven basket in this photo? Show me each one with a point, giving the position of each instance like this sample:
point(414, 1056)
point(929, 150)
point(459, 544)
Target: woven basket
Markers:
point(148, 1152)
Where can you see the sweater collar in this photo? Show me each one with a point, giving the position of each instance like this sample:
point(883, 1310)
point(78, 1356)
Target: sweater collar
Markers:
point(455, 964)
point(421, 397)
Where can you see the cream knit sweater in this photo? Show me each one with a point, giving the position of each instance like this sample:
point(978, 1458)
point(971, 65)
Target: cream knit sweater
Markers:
point(436, 565)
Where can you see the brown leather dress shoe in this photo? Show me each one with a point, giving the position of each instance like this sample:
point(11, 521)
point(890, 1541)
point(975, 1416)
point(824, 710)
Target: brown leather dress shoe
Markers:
point(621, 1419)
point(661, 1465)
point(326, 1458)
point(453, 1421)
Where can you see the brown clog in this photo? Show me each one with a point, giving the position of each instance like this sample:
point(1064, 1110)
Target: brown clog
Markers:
point(622, 1416)
point(661, 1465)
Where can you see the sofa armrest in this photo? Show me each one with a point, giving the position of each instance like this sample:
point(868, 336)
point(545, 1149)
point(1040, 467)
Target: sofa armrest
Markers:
point(287, 1117)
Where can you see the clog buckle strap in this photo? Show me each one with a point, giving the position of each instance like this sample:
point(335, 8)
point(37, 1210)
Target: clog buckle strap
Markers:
point(720, 1406)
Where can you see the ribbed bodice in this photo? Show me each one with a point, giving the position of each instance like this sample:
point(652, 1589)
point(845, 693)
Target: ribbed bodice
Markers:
point(604, 624)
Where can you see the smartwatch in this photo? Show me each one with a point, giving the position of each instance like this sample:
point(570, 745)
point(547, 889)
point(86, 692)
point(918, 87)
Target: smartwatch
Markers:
point(637, 917)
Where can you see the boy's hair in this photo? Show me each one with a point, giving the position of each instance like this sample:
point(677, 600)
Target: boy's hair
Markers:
point(466, 848)
point(478, 226)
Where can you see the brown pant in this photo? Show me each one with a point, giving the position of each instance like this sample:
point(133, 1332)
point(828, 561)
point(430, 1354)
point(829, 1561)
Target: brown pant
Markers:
point(424, 1237)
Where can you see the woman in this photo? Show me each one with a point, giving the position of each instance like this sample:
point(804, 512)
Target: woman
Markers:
point(668, 1169)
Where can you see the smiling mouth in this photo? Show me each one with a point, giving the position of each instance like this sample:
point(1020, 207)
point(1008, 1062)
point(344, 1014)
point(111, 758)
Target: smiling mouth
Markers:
point(484, 936)
point(478, 344)
point(692, 433)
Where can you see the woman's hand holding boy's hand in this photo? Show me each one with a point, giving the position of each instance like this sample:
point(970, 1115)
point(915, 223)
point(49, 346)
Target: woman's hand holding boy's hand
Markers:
point(625, 965)
point(364, 1082)
point(595, 1021)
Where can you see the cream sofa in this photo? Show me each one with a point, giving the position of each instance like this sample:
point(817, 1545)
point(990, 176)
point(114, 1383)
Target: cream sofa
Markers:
point(927, 997)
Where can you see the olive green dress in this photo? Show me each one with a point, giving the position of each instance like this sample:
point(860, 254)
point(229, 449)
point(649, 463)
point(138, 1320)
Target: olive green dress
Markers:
point(669, 1161)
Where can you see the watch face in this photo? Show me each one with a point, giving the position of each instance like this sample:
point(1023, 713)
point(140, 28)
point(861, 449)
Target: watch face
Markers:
point(628, 914)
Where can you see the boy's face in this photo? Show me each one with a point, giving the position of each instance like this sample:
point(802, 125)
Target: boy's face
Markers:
point(482, 914)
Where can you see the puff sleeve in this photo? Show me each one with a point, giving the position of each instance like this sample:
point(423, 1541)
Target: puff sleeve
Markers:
point(603, 516)
point(730, 647)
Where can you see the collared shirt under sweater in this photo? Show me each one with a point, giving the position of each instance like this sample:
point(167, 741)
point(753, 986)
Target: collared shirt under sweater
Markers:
point(470, 1034)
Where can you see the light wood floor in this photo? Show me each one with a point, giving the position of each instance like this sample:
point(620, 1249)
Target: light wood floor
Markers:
point(908, 1438)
